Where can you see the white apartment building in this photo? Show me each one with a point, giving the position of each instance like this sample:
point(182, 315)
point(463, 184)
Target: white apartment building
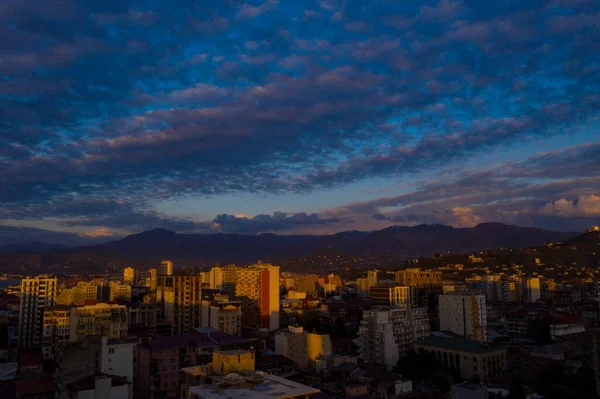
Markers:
point(291, 343)
point(364, 284)
point(36, 293)
point(386, 334)
point(118, 358)
point(465, 315)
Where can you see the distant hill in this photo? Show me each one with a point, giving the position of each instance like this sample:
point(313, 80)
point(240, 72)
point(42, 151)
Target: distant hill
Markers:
point(31, 246)
point(194, 249)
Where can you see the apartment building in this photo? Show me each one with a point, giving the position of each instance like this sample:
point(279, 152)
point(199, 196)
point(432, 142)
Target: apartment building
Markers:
point(222, 314)
point(465, 315)
point(56, 329)
point(386, 333)
point(390, 295)
point(180, 302)
point(469, 360)
point(36, 294)
point(257, 287)
point(110, 320)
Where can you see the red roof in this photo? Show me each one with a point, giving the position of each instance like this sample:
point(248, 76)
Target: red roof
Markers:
point(568, 319)
point(38, 385)
point(31, 359)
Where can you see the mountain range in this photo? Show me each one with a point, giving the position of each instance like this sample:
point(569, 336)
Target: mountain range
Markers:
point(397, 242)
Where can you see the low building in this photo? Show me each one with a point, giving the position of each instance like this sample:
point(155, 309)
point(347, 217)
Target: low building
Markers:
point(470, 360)
point(251, 385)
point(222, 314)
point(469, 390)
point(99, 386)
point(566, 325)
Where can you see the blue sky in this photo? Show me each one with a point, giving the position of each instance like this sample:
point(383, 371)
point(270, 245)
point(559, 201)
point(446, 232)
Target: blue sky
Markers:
point(296, 117)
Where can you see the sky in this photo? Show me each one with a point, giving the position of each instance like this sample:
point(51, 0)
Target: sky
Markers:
point(247, 117)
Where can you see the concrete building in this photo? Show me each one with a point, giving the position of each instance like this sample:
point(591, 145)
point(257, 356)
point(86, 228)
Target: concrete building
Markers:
point(222, 314)
point(566, 325)
point(318, 347)
point(533, 289)
point(166, 268)
point(99, 386)
point(390, 295)
point(292, 344)
point(151, 280)
point(84, 292)
point(118, 358)
point(386, 334)
point(36, 293)
point(119, 291)
point(143, 313)
point(180, 302)
point(158, 362)
point(306, 283)
point(415, 277)
point(129, 276)
point(56, 329)
point(251, 385)
point(110, 320)
point(469, 360)
point(223, 278)
point(64, 297)
point(465, 315)
point(258, 289)
point(363, 285)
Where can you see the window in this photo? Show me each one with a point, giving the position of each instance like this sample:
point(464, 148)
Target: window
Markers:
point(111, 351)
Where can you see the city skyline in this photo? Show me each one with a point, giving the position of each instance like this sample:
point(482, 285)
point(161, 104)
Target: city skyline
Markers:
point(325, 116)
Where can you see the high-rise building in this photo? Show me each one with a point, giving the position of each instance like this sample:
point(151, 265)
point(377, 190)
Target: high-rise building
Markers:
point(465, 315)
point(166, 268)
point(222, 314)
point(258, 289)
point(84, 292)
point(151, 280)
point(386, 334)
point(36, 293)
point(223, 278)
point(56, 325)
point(306, 283)
point(415, 277)
point(110, 320)
point(390, 295)
point(64, 297)
point(364, 284)
point(129, 276)
point(119, 291)
point(532, 289)
point(180, 302)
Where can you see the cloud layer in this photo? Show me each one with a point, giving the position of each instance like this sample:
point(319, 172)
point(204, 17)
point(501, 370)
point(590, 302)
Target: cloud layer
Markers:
point(107, 110)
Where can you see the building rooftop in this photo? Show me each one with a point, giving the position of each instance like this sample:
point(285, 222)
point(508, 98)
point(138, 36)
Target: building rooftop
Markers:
point(196, 339)
point(41, 384)
point(458, 344)
point(253, 385)
point(89, 383)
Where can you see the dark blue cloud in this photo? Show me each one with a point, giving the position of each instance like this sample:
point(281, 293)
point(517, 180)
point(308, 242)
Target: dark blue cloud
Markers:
point(114, 106)
point(262, 223)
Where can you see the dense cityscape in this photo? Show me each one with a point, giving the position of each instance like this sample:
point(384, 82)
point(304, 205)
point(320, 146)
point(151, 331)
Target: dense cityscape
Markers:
point(431, 328)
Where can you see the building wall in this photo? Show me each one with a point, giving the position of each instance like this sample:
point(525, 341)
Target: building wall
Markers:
point(180, 302)
point(111, 320)
point(465, 315)
point(227, 362)
point(317, 346)
point(258, 289)
point(293, 345)
point(118, 358)
point(471, 365)
point(56, 329)
point(120, 392)
point(36, 293)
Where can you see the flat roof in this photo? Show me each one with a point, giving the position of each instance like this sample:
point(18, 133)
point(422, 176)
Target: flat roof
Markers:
point(257, 385)
point(459, 344)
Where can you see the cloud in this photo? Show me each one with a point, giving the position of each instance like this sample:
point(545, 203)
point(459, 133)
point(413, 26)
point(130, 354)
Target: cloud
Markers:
point(585, 206)
point(263, 223)
point(133, 103)
point(100, 232)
